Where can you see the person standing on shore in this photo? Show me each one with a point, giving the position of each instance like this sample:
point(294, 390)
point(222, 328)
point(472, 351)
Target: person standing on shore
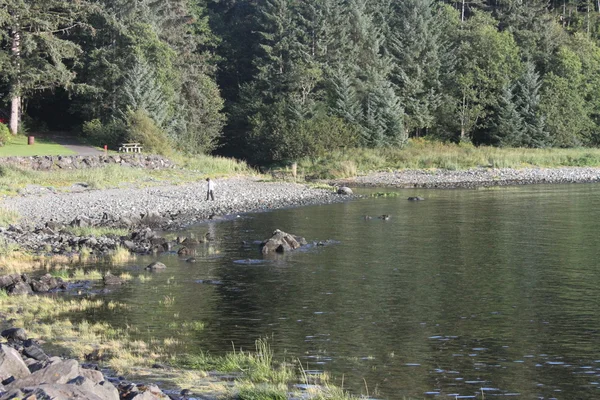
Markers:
point(210, 189)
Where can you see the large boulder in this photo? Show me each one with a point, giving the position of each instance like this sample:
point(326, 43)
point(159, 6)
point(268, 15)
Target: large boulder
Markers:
point(110, 280)
point(281, 242)
point(61, 373)
point(344, 190)
point(18, 334)
point(82, 221)
point(33, 350)
point(151, 219)
point(103, 389)
point(11, 364)
point(156, 266)
point(54, 392)
point(20, 288)
point(6, 281)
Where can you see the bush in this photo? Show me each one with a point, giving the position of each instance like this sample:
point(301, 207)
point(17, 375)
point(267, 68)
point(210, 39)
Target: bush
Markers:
point(4, 134)
point(100, 134)
point(142, 129)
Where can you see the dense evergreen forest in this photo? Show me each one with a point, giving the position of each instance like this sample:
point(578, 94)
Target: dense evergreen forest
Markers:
point(275, 80)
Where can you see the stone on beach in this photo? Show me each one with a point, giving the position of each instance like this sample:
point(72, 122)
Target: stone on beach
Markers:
point(11, 364)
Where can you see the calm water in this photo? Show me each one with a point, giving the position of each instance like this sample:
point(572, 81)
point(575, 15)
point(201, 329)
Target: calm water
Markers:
point(471, 290)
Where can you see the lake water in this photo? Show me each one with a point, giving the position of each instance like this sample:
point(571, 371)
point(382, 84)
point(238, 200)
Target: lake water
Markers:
point(491, 291)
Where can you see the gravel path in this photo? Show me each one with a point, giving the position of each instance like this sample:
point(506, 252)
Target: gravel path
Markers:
point(183, 204)
point(479, 177)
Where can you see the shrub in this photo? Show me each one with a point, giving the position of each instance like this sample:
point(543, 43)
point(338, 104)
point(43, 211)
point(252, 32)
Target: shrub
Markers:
point(142, 129)
point(4, 134)
point(100, 134)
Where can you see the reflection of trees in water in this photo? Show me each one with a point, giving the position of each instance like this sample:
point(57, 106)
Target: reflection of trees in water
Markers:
point(497, 275)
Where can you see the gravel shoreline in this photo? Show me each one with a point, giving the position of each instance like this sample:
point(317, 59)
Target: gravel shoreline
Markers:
point(474, 178)
point(181, 205)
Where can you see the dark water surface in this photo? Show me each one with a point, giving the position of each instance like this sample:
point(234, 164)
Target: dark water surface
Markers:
point(494, 291)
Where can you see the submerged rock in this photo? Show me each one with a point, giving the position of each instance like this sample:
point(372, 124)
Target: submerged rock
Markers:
point(156, 266)
point(110, 279)
point(281, 242)
point(416, 198)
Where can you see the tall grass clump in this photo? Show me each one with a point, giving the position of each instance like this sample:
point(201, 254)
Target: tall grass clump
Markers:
point(431, 154)
point(8, 217)
point(120, 255)
point(86, 275)
point(212, 165)
point(96, 231)
point(257, 366)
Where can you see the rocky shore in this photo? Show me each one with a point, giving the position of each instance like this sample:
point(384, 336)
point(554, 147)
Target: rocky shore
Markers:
point(177, 206)
point(47, 217)
point(27, 372)
point(473, 178)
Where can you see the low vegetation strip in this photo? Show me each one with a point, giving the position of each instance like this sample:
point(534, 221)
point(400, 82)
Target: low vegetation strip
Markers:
point(426, 155)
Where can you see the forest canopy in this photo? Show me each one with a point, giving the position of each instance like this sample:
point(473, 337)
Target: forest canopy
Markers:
point(277, 80)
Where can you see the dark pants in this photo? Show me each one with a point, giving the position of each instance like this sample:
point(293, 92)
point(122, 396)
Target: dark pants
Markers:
point(210, 194)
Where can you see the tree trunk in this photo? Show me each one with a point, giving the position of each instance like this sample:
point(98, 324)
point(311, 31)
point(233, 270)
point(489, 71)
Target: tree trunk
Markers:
point(15, 114)
point(462, 14)
point(15, 101)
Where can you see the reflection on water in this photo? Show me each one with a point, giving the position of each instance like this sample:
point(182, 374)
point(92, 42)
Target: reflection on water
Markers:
point(468, 292)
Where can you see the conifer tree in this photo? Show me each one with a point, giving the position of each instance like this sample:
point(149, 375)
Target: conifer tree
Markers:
point(141, 91)
point(508, 128)
point(527, 100)
point(37, 45)
point(414, 42)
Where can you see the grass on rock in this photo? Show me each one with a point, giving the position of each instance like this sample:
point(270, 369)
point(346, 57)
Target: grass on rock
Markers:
point(8, 217)
point(96, 231)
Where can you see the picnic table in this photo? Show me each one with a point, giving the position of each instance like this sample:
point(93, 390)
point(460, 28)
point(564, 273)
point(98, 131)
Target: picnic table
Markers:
point(130, 147)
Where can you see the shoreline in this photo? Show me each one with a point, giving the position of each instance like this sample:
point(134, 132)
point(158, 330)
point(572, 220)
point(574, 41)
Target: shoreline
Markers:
point(171, 206)
point(473, 178)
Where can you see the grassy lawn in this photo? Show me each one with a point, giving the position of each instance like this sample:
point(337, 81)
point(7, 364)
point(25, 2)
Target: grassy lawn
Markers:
point(43, 147)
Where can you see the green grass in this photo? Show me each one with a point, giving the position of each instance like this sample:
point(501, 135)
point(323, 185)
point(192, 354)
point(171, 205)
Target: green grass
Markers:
point(96, 231)
point(211, 165)
point(256, 367)
point(8, 217)
point(89, 275)
point(17, 146)
point(60, 273)
point(252, 392)
point(423, 154)
point(192, 169)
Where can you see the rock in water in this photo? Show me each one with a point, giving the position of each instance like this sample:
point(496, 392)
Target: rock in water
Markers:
point(110, 279)
point(416, 198)
point(156, 266)
point(344, 190)
point(281, 242)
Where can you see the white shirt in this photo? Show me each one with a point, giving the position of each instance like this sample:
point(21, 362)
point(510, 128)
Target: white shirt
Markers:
point(211, 185)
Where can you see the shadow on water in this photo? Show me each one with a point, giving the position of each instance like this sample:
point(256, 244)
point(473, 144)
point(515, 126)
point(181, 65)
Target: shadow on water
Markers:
point(468, 292)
